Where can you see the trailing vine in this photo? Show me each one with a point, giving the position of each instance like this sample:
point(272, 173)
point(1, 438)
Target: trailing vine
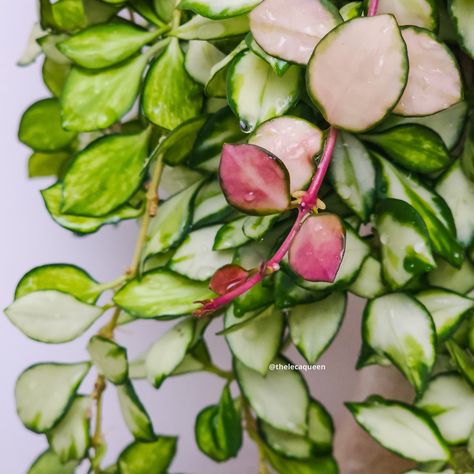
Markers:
point(275, 160)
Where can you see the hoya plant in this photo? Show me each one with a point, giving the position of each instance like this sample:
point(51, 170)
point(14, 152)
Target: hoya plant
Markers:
point(277, 158)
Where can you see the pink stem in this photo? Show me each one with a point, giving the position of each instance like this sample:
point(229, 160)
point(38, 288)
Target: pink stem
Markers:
point(308, 202)
point(373, 6)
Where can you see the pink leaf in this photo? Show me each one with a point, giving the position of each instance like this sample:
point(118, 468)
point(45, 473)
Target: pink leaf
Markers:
point(253, 180)
point(317, 250)
point(227, 277)
point(295, 141)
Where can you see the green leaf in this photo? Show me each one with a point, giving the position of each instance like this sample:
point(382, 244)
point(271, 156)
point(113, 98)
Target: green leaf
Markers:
point(401, 428)
point(278, 65)
point(70, 438)
point(177, 146)
point(204, 430)
point(134, 413)
point(218, 429)
point(54, 75)
point(369, 283)
point(280, 397)
point(218, 8)
point(109, 358)
point(32, 49)
point(201, 28)
point(448, 123)
point(289, 294)
point(42, 165)
point(448, 309)
point(168, 228)
point(168, 352)
point(161, 293)
point(164, 9)
point(257, 342)
point(217, 83)
point(415, 147)
point(353, 175)
point(221, 127)
point(449, 400)
point(326, 465)
point(314, 326)
point(433, 210)
point(40, 127)
point(197, 248)
point(52, 197)
point(170, 96)
point(256, 93)
point(43, 393)
point(317, 441)
point(230, 235)
point(200, 59)
point(51, 316)
point(228, 424)
point(102, 46)
point(146, 10)
point(105, 175)
point(94, 100)
point(210, 206)
point(406, 249)
point(258, 297)
point(462, 15)
point(49, 463)
point(148, 457)
point(458, 192)
point(460, 280)
point(63, 15)
point(463, 360)
point(61, 277)
point(467, 157)
point(400, 328)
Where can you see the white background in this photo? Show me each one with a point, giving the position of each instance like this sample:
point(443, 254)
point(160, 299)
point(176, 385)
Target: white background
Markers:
point(30, 238)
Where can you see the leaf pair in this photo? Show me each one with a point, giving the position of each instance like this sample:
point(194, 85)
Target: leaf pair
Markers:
point(379, 80)
point(256, 182)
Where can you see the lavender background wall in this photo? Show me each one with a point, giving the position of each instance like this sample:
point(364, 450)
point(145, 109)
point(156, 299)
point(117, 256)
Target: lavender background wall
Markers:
point(30, 238)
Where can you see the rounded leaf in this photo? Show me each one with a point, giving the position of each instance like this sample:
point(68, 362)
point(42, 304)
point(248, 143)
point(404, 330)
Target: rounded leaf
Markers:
point(292, 33)
point(358, 72)
point(227, 278)
point(253, 180)
point(295, 141)
point(434, 82)
point(317, 250)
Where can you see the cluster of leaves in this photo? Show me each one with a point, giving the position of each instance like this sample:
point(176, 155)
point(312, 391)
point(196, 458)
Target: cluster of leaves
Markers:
point(145, 94)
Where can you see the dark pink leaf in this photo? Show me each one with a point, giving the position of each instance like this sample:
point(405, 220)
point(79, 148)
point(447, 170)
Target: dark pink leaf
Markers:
point(253, 180)
point(226, 278)
point(317, 250)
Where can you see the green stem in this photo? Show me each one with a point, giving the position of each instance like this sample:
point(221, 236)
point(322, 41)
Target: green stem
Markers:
point(225, 374)
point(108, 330)
point(251, 427)
point(111, 284)
point(152, 201)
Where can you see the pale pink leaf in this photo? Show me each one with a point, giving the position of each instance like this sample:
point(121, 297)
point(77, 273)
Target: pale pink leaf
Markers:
point(434, 82)
point(291, 32)
point(317, 250)
point(295, 141)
